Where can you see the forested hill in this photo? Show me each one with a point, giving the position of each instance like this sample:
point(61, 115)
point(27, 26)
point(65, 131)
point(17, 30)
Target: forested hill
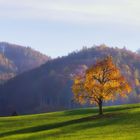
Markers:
point(15, 59)
point(48, 88)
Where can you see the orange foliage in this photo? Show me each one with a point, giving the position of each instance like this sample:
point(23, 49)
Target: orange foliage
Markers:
point(101, 82)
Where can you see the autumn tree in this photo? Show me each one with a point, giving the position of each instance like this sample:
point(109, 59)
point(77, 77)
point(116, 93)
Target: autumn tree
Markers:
point(101, 82)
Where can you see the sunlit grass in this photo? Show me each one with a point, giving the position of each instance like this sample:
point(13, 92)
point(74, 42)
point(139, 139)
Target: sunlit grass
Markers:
point(118, 123)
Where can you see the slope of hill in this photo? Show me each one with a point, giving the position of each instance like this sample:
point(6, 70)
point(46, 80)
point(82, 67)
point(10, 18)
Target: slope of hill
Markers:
point(48, 88)
point(118, 123)
point(15, 59)
point(7, 69)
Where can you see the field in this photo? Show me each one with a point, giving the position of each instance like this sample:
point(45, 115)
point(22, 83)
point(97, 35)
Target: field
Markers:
point(118, 123)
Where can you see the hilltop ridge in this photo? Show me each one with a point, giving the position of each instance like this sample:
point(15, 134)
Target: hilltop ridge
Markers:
point(16, 59)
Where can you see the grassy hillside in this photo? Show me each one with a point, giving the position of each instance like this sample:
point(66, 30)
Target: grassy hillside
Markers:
point(119, 123)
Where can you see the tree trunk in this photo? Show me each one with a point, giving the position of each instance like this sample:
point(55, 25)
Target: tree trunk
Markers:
point(100, 107)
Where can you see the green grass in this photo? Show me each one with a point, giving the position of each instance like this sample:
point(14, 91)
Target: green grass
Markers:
point(118, 123)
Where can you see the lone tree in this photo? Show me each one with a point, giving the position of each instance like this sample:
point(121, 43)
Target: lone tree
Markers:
point(101, 82)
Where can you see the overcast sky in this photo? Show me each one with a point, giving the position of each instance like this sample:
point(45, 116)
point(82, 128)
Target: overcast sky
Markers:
point(57, 27)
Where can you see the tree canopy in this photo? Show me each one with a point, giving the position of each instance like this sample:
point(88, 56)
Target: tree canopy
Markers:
point(101, 82)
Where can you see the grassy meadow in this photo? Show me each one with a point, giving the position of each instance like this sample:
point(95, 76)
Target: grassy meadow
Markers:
point(117, 123)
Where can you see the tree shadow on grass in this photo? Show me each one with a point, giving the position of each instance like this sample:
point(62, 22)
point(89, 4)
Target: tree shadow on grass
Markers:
point(56, 125)
point(81, 124)
point(118, 119)
point(83, 111)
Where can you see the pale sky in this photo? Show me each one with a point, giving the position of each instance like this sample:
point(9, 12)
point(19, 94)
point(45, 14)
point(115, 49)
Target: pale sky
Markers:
point(57, 27)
